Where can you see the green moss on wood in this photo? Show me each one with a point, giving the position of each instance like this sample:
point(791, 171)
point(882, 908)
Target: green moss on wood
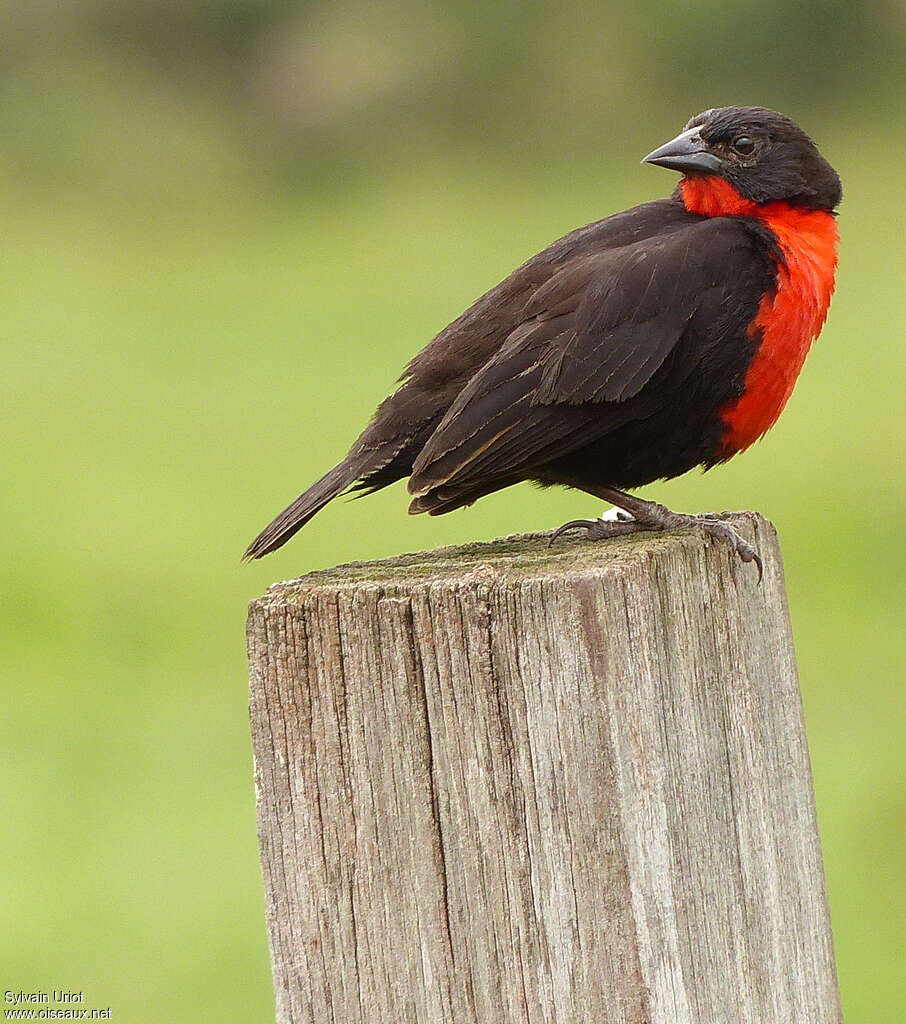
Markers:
point(523, 556)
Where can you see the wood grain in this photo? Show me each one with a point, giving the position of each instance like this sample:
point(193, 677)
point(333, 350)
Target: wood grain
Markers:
point(503, 784)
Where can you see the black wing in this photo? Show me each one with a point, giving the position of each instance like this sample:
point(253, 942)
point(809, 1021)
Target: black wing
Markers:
point(575, 369)
point(631, 314)
point(434, 377)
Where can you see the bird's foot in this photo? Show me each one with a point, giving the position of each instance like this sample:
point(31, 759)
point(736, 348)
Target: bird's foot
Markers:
point(648, 515)
point(721, 530)
point(602, 529)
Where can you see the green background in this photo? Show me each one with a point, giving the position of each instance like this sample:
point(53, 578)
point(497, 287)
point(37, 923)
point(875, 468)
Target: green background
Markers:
point(227, 226)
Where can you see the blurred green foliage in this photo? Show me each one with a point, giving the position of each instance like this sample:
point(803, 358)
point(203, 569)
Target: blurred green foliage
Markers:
point(227, 227)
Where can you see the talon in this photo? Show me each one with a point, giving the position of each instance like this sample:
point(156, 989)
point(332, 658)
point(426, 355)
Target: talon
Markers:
point(573, 524)
point(721, 530)
point(603, 529)
point(748, 554)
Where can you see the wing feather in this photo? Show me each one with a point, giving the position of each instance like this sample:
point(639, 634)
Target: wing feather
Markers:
point(576, 367)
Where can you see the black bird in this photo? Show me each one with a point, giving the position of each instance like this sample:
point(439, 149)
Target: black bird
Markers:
point(633, 349)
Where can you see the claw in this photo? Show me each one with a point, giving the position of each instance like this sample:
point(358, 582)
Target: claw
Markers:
point(573, 524)
point(602, 529)
point(721, 530)
point(748, 554)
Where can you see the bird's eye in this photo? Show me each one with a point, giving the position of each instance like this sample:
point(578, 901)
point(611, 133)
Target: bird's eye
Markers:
point(744, 145)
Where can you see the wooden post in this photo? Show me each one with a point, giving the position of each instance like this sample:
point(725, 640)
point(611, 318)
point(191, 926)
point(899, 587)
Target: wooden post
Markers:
point(505, 783)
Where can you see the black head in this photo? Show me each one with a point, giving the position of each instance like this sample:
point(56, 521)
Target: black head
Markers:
point(764, 155)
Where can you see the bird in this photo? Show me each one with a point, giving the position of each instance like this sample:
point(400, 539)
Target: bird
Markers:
point(634, 349)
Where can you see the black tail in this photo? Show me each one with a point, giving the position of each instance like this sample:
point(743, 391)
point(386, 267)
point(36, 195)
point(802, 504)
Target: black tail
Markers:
point(308, 504)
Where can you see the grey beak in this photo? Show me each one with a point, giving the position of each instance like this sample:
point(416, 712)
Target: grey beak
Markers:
point(686, 153)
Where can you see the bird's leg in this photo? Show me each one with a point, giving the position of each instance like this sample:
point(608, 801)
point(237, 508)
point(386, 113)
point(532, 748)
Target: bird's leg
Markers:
point(649, 515)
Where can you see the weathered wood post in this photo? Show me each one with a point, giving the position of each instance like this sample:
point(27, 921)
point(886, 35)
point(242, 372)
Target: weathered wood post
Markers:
point(503, 783)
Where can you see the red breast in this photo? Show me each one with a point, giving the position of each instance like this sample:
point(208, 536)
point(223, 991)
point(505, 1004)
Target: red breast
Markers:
point(789, 317)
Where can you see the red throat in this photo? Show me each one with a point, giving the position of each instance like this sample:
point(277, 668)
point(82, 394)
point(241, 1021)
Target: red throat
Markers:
point(789, 317)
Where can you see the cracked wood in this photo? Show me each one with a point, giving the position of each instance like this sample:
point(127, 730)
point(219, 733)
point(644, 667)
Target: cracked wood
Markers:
point(502, 784)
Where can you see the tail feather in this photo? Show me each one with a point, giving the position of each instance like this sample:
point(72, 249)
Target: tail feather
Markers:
point(307, 505)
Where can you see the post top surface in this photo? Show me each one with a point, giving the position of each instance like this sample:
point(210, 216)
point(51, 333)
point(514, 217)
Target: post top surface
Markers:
point(514, 558)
